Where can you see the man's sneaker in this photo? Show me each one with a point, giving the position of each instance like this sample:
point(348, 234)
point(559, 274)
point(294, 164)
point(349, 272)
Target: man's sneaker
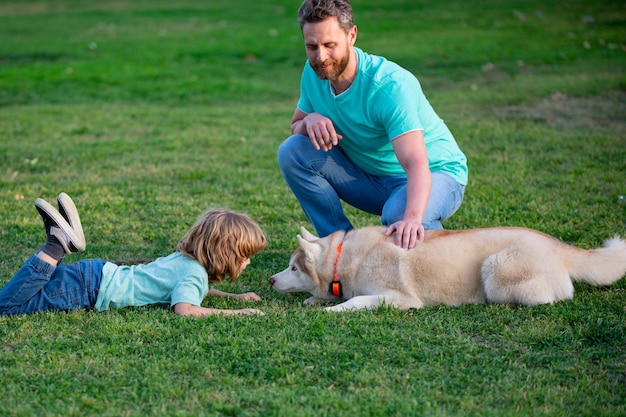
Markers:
point(70, 214)
point(60, 228)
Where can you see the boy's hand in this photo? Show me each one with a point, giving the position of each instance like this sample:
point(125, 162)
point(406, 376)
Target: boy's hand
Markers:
point(249, 311)
point(248, 296)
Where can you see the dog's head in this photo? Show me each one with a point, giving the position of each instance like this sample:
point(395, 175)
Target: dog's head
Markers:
point(306, 265)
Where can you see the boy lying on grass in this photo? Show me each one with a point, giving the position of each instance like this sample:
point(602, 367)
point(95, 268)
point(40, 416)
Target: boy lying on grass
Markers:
point(220, 243)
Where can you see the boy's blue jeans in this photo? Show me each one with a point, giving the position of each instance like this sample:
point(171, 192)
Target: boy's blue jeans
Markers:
point(320, 180)
point(39, 286)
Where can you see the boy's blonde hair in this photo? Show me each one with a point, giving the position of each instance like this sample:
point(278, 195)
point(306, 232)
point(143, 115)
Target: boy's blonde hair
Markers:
point(221, 240)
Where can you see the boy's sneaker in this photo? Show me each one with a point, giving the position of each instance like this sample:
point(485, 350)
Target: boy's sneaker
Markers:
point(57, 226)
point(70, 214)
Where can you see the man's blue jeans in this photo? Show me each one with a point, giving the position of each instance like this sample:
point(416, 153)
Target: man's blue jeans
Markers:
point(39, 286)
point(320, 180)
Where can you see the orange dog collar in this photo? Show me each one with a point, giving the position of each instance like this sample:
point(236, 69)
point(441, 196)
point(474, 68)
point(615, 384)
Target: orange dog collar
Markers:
point(335, 285)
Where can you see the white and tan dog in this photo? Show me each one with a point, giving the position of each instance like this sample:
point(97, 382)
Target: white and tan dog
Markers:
point(495, 265)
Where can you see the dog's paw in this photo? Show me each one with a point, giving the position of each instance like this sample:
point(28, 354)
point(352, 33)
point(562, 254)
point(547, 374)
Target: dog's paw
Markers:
point(341, 308)
point(311, 301)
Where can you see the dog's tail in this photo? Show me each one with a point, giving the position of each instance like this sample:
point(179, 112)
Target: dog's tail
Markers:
point(602, 266)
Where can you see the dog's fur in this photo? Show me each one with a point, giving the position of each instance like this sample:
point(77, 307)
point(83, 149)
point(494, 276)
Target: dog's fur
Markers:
point(494, 265)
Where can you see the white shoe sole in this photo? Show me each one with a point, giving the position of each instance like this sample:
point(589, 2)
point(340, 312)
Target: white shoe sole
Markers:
point(68, 210)
point(74, 242)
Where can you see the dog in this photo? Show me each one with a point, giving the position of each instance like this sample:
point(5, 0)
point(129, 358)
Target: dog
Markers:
point(506, 265)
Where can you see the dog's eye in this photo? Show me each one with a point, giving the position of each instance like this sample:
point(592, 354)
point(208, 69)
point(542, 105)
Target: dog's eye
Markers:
point(293, 268)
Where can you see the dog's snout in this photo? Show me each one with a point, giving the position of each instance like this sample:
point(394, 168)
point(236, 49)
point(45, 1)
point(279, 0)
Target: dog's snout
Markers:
point(272, 281)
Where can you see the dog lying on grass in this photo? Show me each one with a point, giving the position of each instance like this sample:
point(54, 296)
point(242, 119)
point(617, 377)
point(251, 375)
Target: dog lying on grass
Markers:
point(493, 265)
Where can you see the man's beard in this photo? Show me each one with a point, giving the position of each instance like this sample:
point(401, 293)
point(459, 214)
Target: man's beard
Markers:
point(338, 67)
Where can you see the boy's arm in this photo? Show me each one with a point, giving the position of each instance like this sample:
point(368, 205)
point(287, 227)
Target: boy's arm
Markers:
point(249, 296)
point(186, 309)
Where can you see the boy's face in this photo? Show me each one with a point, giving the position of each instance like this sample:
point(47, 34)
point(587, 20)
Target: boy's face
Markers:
point(244, 264)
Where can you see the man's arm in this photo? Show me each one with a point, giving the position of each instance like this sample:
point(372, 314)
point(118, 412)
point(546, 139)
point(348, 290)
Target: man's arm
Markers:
point(298, 127)
point(410, 150)
point(318, 128)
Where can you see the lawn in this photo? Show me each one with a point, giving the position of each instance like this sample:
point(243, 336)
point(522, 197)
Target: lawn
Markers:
point(149, 112)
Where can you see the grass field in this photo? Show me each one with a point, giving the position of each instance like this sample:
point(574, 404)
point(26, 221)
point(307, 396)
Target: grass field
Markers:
point(149, 112)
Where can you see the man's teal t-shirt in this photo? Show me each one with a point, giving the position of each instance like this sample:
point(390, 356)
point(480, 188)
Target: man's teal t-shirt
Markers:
point(384, 101)
point(172, 279)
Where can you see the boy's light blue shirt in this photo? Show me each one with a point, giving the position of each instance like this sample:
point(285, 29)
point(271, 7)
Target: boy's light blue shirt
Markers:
point(172, 279)
point(384, 101)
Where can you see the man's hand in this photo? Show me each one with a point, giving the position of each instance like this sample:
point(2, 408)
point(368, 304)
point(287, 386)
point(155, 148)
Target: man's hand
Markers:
point(321, 131)
point(408, 233)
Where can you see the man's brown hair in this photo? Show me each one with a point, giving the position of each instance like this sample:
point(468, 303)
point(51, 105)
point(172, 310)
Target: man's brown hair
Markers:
point(314, 11)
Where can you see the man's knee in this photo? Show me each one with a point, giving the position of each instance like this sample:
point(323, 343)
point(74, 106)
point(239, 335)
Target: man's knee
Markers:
point(288, 150)
point(432, 225)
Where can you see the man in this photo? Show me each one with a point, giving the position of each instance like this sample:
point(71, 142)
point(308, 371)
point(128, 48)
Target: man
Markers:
point(363, 132)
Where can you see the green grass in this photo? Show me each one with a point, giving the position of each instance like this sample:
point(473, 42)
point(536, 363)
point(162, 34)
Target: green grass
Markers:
point(149, 112)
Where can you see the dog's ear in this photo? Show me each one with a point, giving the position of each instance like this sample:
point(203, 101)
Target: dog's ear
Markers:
point(310, 249)
point(307, 236)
